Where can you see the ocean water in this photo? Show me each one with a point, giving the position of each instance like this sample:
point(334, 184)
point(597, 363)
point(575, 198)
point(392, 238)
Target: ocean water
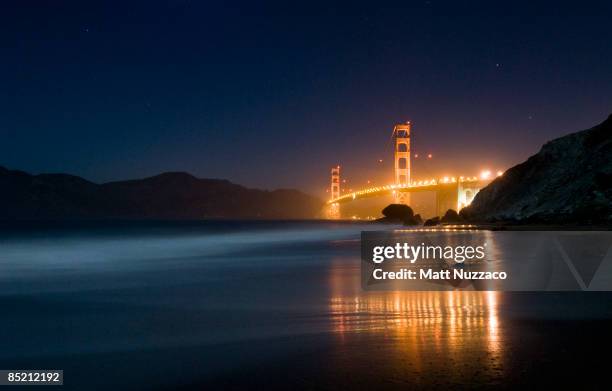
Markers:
point(197, 305)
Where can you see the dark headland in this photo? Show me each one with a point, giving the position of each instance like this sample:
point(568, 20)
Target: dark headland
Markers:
point(174, 195)
point(568, 182)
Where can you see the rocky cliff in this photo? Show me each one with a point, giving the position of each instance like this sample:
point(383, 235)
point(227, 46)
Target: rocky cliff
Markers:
point(569, 181)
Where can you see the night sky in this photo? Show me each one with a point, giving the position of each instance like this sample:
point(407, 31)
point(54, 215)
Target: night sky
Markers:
point(271, 95)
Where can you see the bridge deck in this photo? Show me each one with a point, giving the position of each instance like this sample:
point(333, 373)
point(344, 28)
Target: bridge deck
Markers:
point(417, 186)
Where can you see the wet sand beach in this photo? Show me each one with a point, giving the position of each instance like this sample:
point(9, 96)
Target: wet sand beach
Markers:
point(274, 307)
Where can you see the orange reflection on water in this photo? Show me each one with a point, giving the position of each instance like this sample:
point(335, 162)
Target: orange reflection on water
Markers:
point(399, 310)
point(426, 331)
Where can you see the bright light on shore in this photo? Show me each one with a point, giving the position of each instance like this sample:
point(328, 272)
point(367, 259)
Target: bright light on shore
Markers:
point(485, 174)
point(500, 173)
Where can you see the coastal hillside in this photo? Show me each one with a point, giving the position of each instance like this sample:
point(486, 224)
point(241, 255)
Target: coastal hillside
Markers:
point(569, 181)
point(166, 196)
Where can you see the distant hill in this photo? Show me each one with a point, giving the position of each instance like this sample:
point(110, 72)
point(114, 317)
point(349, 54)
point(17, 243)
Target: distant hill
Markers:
point(173, 195)
point(569, 181)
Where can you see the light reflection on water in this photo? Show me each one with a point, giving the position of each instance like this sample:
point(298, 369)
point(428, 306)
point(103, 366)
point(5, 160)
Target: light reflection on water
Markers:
point(472, 312)
point(421, 327)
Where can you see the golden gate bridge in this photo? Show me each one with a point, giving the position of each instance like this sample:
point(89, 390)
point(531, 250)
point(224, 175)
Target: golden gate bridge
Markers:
point(451, 192)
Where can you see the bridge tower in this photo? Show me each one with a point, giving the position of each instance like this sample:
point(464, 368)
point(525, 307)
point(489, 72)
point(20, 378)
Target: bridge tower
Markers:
point(401, 136)
point(334, 209)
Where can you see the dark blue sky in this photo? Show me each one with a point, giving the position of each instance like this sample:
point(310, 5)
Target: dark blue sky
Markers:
point(272, 95)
